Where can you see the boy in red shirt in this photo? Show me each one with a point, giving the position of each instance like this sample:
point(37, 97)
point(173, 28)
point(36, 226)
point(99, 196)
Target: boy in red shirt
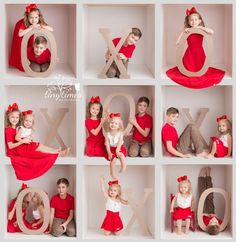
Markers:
point(125, 52)
point(62, 211)
point(141, 142)
point(182, 146)
point(39, 55)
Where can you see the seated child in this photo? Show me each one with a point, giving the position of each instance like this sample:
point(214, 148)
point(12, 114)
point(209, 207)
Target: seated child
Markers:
point(180, 146)
point(62, 211)
point(125, 52)
point(141, 142)
point(39, 55)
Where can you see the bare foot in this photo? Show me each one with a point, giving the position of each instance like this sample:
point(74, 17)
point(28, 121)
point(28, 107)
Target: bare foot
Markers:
point(179, 232)
point(65, 152)
point(59, 149)
point(203, 172)
point(186, 231)
point(209, 156)
point(203, 154)
point(68, 149)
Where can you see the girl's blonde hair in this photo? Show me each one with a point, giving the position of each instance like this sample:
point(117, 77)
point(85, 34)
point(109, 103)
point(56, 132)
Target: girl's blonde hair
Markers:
point(229, 126)
point(188, 184)
point(41, 18)
point(186, 21)
point(118, 186)
point(7, 114)
point(23, 117)
point(39, 200)
point(121, 126)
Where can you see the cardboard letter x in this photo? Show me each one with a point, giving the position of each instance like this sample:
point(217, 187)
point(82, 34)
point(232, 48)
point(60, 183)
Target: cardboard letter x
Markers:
point(114, 52)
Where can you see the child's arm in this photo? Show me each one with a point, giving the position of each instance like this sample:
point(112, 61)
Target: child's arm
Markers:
point(52, 213)
point(120, 143)
point(97, 130)
point(11, 213)
point(192, 204)
point(16, 144)
point(172, 204)
point(179, 38)
point(108, 148)
point(108, 55)
point(49, 28)
point(144, 132)
point(124, 201)
point(18, 134)
point(102, 187)
point(207, 30)
point(229, 141)
point(23, 32)
point(41, 211)
point(175, 152)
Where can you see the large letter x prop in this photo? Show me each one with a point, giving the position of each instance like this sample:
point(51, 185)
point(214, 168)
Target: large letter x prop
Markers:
point(54, 125)
point(199, 120)
point(114, 52)
point(136, 210)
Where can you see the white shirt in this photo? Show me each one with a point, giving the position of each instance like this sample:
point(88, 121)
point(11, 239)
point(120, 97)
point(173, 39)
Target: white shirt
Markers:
point(184, 202)
point(25, 132)
point(223, 138)
point(36, 214)
point(113, 139)
point(112, 205)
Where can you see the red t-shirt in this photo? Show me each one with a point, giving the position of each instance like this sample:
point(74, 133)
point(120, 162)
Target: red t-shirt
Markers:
point(207, 219)
point(144, 122)
point(10, 134)
point(126, 50)
point(93, 124)
point(41, 59)
point(62, 206)
point(169, 133)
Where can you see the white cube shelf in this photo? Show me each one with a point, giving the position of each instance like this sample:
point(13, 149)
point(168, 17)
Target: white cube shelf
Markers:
point(62, 17)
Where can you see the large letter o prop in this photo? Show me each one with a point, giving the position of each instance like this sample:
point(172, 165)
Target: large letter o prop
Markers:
point(181, 49)
point(19, 219)
point(131, 105)
point(53, 49)
point(201, 205)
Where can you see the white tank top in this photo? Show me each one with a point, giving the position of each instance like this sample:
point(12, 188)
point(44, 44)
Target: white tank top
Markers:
point(36, 214)
point(113, 139)
point(25, 132)
point(183, 202)
point(223, 138)
point(112, 205)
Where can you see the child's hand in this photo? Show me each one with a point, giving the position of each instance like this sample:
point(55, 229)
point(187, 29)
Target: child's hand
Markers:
point(26, 141)
point(36, 26)
point(34, 225)
point(187, 30)
point(128, 134)
point(187, 156)
point(103, 120)
point(118, 153)
point(171, 210)
point(121, 56)
point(110, 156)
point(107, 55)
point(133, 121)
point(64, 226)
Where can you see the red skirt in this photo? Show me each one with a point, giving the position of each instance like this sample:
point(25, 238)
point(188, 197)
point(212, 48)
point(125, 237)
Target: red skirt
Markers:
point(221, 150)
point(113, 151)
point(112, 222)
point(182, 213)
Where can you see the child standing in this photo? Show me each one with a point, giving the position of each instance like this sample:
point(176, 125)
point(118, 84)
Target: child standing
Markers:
point(141, 142)
point(222, 145)
point(62, 211)
point(39, 55)
point(182, 146)
point(95, 143)
point(12, 225)
point(194, 57)
point(114, 143)
point(184, 201)
point(33, 19)
point(112, 222)
point(125, 52)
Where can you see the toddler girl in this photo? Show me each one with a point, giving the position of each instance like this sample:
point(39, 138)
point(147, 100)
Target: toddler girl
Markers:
point(114, 143)
point(95, 142)
point(194, 57)
point(112, 222)
point(222, 145)
point(184, 201)
point(12, 225)
point(33, 19)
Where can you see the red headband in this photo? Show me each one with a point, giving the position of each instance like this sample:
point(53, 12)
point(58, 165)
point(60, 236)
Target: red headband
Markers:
point(112, 115)
point(24, 113)
point(24, 186)
point(190, 11)
point(110, 183)
point(221, 117)
point(29, 7)
point(95, 99)
point(13, 107)
point(182, 178)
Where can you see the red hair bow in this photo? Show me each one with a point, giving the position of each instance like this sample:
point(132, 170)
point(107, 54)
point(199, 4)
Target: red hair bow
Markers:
point(30, 7)
point(112, 115)
point(182, 178)
point(24, 186)
point(110, 183)
point(95, 99)
point(190, 11)
point(27, 112)
point(13, 107)
point(221, 117)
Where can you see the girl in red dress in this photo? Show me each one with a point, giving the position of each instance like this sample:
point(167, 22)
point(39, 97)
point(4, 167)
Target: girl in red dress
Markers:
point(222, 144)
point(12, 226)
point(184, 201)
point(95, 142)
point(29, 159)
point(194, 57)
point(112, 222)
point(33, 19)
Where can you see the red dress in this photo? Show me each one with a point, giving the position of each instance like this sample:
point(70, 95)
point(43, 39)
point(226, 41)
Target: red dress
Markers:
point(26, 161)
point(193, 60)
point(112, 222)
point(15, 56)
point(221, 150)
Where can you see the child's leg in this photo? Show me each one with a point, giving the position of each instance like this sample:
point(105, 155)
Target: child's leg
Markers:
point(133, 149)
point(122, 163)
point(187, 221)
point(57, 230)
point(117, 233)
point(179, 226)
point(113, 168)
point(213, 151)
point(112, 71)
point(35, 67)
point(45, 149)
point(45, 66)
point(106, 232)
point(146, 149)
point(71, 229)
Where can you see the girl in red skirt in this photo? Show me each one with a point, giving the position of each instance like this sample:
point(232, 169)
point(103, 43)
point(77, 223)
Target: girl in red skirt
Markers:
point(95, 143)
point(33, 19)
point(112, 222)
point(114, 143)
point(222, 144)
point(184, 201)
